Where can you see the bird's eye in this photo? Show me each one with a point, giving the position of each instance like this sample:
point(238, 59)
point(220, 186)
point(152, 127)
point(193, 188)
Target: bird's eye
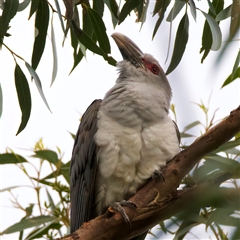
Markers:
point(155, 69)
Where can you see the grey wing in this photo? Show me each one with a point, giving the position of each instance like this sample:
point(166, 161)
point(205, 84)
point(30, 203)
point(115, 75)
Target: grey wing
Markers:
point(83, 169)
point(177, 131)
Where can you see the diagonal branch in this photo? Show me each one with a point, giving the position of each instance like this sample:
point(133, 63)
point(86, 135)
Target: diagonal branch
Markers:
point(158, 200)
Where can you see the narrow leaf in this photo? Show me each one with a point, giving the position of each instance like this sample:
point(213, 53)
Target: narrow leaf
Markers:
point(113, 8)
point(51, 202)
point(48, 155)
point(161, 7)
point(191, 125)
point(1, 101)
point(98, 6)
point(211, 7)
point(228, 145)
point(28, 223)
point(9, 11)
point(225, 13)
point(38, 83)
point(23, 5)
point(232, 77)
point(99, 30)
point(235, 18)
point(34, 7)
point(180, 43)
point(54, 50)
point(41, 24)
point(59, 14)
point(69, 13)
point(24, 96)
point(11, 158)
point(193, 9)
point(216, 32)
point(177, 7)
point(9, 188)
point(127, 8)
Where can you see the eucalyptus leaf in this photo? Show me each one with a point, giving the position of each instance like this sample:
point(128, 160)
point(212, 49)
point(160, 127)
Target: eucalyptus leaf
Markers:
point(28, 223)
point(34, 7)
point(193, 9)
point(231, 78)
point(24, 4)
point(41, 24)
point(216, 32)
point(177, 7)
point(24, 96)
point(59, 14)
point(54, 50)
point(11, 158)
point(38, 83)
point(225, 13)
point(180, 43)
point(235, 18)
point(211, 7)
point(48, 155)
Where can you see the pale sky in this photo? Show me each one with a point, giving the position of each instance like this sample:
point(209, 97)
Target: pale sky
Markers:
point(70, 95)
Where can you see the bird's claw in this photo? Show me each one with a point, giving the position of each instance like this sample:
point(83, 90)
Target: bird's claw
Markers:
point(118, 206)
point(158, 175)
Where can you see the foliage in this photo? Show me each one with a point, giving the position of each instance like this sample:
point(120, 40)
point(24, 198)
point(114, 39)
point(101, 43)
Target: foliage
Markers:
point(52, 217)
point(89, 32)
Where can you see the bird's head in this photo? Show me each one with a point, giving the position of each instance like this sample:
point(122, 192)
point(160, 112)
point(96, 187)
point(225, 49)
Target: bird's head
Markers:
point(140, 63)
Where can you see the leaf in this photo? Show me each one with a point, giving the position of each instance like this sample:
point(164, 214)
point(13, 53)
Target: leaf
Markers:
point(191, 125)
point(98, 6)
point(9, 188)
point(11, 158)
point(225, 13)
point(211, 7)
point(69, 13)
point(127, 8)
point(48, 155)
point(24, 96)
point(216, 32)
point(193, 9)
point(180, 43)
point(54, 50)
point(160, 7)
point(52, 205)
point(231, 77)
point(34, 7)
point(228, 145)
point(235, 18)
point(28, 223)
point(39, 232)
point(113, 7)
point(59, 14)
point(99, 30)
point(177, 7)
point(1, 101)
point(41, 24)
point(23, 5)
point(38, 83)
point(9, 11)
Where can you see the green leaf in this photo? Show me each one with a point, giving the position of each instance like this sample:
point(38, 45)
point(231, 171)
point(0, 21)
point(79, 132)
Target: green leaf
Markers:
point(1, 101)
point(160, 7)
point(34, 7)
point(41, 25)
point(211, 7)
point(9, 11)
point(98, 6)
point(38, 83)
point(24, 96)
point(180, 43)
point(127, 8)
point(113, 7)
point(191, 125)
point(23, 5)
point(48, 155)
point(235, 18)
point(232, 77)
point(216, 32)
point(39, 232)
point(228, 145)
point(99, 30)
point(225, 13)
point(9, 188)
point(28, 223)
point(54, 50)
point(52, 205)
point(59, 14)
point(11, 158)
point(177, 7)
point(193, 9)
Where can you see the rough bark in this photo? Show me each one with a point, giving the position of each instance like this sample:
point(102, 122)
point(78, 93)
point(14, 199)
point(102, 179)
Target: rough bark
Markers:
point(159, 200)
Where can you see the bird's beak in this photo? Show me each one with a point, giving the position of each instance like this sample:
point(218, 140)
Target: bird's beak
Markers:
point(129, 50)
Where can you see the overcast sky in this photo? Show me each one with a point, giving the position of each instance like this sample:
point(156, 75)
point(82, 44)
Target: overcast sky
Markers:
point(70, 95)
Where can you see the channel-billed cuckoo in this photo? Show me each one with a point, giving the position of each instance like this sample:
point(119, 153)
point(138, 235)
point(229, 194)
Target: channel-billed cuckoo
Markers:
point(124, 139)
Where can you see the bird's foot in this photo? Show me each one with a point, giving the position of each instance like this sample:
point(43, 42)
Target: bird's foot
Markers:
point(118, 206)
point(158, 175)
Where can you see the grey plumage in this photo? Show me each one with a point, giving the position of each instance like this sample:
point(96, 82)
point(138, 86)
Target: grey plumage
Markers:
point(123, 139)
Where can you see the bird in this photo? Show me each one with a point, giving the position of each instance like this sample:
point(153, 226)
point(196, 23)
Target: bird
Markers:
point(123, 139)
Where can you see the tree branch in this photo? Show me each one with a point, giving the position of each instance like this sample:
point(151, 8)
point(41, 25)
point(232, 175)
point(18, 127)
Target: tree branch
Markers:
point(159, 200)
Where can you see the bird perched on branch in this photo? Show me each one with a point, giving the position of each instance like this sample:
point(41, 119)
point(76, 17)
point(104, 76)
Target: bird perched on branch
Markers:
point(124, 139)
